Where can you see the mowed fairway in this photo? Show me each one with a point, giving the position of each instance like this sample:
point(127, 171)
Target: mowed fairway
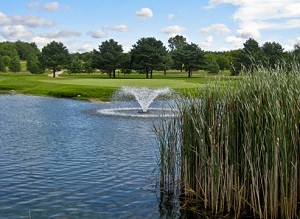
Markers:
point(99, 86)
point(116, 83)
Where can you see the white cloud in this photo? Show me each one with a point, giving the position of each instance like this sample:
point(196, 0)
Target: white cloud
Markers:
point(289, 46)
point(257, 15)
point(214, 3)
point(24, 20)
point(236, 42)
point(223, 49)
point(51, 6)
point(40, 41)
point(215, 28)
point(31, 21)
point(119, 28)
point(97, 34)
point(247, 33)
point(170, 17)
point(62, 34)
point(85, 48)
point(33, 5)
point(4, 19)
point(173, 30)
point(144, 13)
point(207, 42)
point(17, 32)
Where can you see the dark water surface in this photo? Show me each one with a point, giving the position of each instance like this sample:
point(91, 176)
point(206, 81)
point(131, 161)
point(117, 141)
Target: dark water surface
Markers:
point(60, 159)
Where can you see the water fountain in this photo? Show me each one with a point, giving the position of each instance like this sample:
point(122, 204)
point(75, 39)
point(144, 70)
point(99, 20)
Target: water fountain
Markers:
point(144, 97)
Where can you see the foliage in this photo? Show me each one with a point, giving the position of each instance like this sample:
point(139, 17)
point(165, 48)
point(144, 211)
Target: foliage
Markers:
point(6, 60)
point(26, 50)
point(273, 53)
point(77, 65)
point(176, 43)
point(126, 65)
point(108, 58)
point(228, 151)
point(148, 55)
point(15, 65)
point(34, 66)
point(54, 55)
point(248, 58)
point(223, 61)
point(212, 66)
point(2, 65)
point(8, 49)
point(191, 57)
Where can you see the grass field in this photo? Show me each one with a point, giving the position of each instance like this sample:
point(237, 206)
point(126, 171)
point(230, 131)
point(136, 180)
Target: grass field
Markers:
point(99, 86)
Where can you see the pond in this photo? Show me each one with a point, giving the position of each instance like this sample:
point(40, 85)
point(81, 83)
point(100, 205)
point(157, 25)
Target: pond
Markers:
point(62, 159)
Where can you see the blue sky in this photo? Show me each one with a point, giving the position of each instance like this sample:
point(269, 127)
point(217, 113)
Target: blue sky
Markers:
point(214, 25)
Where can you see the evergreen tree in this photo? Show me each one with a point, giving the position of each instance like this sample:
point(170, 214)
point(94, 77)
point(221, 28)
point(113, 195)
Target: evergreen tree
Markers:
point(54, 55)
point(148, 55)
point(108, 58)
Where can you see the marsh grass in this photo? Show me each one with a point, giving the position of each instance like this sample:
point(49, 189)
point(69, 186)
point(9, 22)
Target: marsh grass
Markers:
point(236, 151)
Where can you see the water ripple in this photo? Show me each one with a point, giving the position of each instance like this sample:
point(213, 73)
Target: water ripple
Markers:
point(59, 161)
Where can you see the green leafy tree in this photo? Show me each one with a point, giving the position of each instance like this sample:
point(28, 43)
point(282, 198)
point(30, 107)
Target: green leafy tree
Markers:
point(223, 61)
point(76, 65)
point(15, 65)
point(176, 43)
point(54, 56)
point(148, 55)
point(273, 54)
point(191, 56)
point(236, 65)
point(109, 57)
point(212, 66)
point(252, 54)
point(6, 60)
point(249, 58)
point(8, 49)
point(2, 66)
point(296, 52)
point(126, 65)
point(167, 63)
point(26, 50)
point(34, 66)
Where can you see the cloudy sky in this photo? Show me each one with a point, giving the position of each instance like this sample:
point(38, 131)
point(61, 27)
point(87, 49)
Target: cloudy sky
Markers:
point(214, 25)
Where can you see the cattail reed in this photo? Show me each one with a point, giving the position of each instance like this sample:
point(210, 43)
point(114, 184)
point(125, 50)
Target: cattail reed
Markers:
point(236, 151)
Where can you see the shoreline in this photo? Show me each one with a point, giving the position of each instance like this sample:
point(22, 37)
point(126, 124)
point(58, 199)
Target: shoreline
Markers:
point(91, 100)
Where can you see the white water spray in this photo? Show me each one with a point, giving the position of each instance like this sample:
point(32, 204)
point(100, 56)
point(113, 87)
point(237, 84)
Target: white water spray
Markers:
point(144, 96)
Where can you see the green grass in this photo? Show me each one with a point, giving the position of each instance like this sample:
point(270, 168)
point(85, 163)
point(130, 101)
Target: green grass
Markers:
point(99, 86)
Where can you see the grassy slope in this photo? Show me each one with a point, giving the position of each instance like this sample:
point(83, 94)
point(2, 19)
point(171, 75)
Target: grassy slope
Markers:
point(99, 86)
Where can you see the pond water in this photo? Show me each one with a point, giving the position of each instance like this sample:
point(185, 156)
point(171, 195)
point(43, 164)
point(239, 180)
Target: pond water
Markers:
point(61, 159)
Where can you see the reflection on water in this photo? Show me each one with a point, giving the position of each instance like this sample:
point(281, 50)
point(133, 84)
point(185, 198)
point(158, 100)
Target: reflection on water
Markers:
point(60, 159)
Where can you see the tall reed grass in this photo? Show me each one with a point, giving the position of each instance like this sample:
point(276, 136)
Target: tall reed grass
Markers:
point(236, 151)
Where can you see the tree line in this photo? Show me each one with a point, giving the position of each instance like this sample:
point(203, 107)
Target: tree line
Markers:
point(147, 55)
